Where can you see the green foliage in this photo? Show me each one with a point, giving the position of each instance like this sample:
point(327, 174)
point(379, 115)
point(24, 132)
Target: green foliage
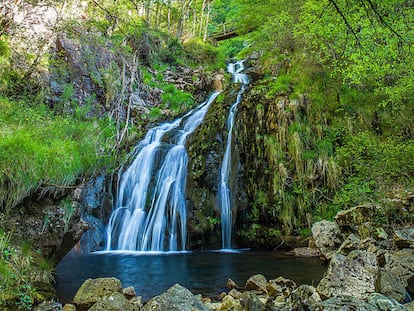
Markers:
point(200, 52)
point(38, 149)
point(175, 99)
point(155, 113)
point(18, 270)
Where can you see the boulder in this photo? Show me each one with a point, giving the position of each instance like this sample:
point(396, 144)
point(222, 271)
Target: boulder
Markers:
point(176, 298)
point(400, 264)
point(357, 215)
point(409, 306)
point(404, 238)
point(305, 297)
point(280, 286)
point(327, 237)
point(48, 306)
point(114, 302)
point(250, 301)
point(93, 289)
point(352, 242)
point(391, 286)
point(231, 284)
point(345, 303)
point(129, 292)
point(235, 293)
point(256, 282)
point(230, 303)
point(69, 307)
point(352, 275)
point(384, 303)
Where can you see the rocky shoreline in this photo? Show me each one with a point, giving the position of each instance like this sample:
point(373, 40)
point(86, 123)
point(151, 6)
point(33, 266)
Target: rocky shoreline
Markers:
point(370, 268)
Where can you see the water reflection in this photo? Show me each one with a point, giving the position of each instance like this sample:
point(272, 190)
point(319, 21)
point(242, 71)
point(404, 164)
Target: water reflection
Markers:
point(201, 272)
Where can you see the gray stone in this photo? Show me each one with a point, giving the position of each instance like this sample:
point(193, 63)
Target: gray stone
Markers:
point(230, 303)
point(93, 289)
point(114, 302)
point(235, 293)
point(327, 237)
point(280, 286)
point(129, 292)
point(409, 306)
point(383, 303)
point(305, 297)
point(256, 282)
point(176, 298)
point(346, 303)
point(69, 307)
point(400, 264)
point(251, 302)
point(48, 306)
point(391, 286)
point(352, 242)
point(404, 238)
point(352, 275)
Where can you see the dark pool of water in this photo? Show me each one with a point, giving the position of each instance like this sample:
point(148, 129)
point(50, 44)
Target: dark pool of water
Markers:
point(201, 272)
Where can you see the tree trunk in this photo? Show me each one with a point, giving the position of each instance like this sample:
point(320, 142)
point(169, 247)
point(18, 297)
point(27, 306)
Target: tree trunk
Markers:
point(206, 22)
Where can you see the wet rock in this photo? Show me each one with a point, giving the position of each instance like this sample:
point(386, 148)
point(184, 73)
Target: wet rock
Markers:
point(345, 303)
point(115, 302)
point(306, 252)
point(351, 243)
point(235, 293)
point(409, 306)
point(305, 297)
point(129, 292)
point(93, 289)
point(383, 303)
point(256, 282)
point(176, 298)
point(231, 284)
point(352, 217)
point(250, 301)
point(48, 306)
point(353, 275)
point(230, 303)
point(137, 301)
point(391, 286)
point(327, 237)
point(52, 227)
point(280, 286)
point(400, 264)
point(404, 238)
point(69, 307)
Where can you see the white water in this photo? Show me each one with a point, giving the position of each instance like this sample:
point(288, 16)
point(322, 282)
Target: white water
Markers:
point(236, 69)
point(151, 211)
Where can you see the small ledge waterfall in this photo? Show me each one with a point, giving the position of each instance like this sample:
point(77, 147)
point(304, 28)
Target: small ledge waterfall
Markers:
point(150, 213)
point(236, 69)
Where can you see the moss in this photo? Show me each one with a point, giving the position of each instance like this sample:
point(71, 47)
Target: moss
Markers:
point(40, 149)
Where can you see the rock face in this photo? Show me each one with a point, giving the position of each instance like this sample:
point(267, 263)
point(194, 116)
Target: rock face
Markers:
point(176, 298)
point(353, 275)
point(404, 238)
point(94, 289)
point(256, 282)
point(327, 236)
point(114, 302)
point(52, 227)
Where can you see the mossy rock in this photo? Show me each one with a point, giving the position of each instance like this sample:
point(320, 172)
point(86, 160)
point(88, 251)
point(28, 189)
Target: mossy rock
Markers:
point(93, 289)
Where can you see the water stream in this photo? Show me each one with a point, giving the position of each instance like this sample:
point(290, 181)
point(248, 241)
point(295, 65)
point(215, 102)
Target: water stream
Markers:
point(150, 200)
point(201, 272)
point(226, 210)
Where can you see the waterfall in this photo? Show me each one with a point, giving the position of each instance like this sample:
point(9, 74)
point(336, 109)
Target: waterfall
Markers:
point(236, 69)
point(150, 213)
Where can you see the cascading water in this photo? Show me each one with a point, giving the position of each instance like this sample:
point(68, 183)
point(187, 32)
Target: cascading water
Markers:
point(151, 203)
point(236, 69)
